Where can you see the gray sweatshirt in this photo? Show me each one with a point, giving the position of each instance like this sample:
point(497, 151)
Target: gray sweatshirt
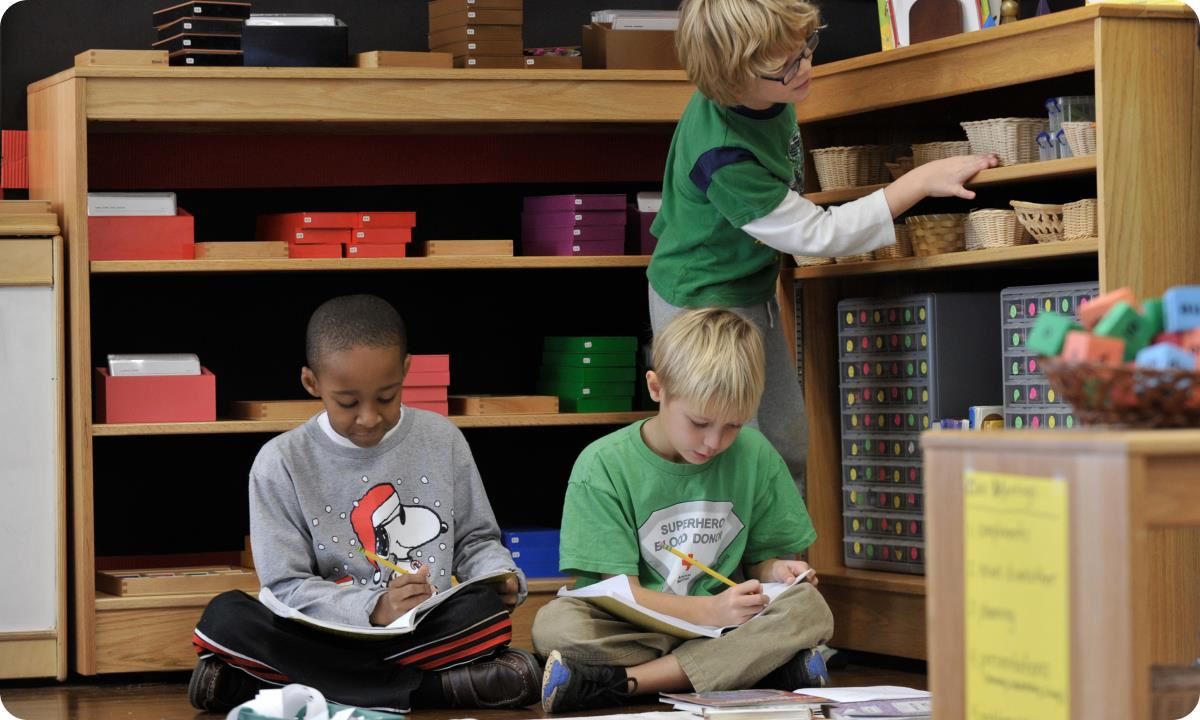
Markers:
point(415, 499)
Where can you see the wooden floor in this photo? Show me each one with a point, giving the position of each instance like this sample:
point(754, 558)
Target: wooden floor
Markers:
point(165, 698)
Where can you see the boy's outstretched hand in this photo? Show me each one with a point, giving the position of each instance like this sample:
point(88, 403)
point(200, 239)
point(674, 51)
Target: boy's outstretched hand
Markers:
point(945, 177)
point(508, 591)
point(404, 593)
point(737, 604)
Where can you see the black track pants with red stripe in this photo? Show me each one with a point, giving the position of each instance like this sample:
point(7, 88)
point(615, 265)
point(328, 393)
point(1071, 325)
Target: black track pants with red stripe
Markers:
point(366, 672)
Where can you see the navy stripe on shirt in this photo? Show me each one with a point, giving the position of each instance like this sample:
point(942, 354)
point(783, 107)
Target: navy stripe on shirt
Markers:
point(710, 162)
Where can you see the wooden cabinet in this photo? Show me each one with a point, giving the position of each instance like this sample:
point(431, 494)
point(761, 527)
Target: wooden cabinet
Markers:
point(33, 598)
point(1141, 63)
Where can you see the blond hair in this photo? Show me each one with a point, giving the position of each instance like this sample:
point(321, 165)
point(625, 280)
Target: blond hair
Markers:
point(726, 44)
point(714, 359)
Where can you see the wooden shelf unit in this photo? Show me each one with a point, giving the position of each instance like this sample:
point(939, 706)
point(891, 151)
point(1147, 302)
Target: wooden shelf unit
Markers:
point(277, 426)
point(1144, 62)
point(71, 109)
point(1143, 58)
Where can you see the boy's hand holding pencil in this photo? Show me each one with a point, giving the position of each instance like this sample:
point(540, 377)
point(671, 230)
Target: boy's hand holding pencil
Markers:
point(736, 605)
point(405, 591)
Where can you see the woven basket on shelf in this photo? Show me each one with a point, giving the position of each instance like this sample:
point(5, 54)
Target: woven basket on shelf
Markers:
point(1044, 222)
point(901, 165)
point(854, 258)
point(1079, 219)
point(993, 229)
point(902, 248)
point(1127, 396)
point(1081, 137)
point(1014, 140)
point(810, 261)
point(928, 152)
point(937, 234)
point(847, 166)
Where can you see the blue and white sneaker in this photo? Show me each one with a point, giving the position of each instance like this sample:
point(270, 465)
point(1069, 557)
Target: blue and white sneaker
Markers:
point(575, 686)
point(806, 669)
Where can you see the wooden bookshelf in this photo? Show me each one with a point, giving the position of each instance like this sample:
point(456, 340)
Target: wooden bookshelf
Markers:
point(348, 264)
point(1019, 254)
point(222, 427)
point(1026, 172)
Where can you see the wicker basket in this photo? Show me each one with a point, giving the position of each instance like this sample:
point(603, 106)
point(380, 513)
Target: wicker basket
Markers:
point(1081, 137)
point(1079, 219)
point(901, 165)
point(993, 229)
point(861, 257)
point(1044, 222)
point(1014, 140)
point(1127, 396)
point(847, 166)
point(928, 152)
point(902, 248)
point(811, 261)
point(937, 234)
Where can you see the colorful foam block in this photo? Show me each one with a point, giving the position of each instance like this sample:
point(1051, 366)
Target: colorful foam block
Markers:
point(1181, 308)
point(1123, 322)
point(1081, 347)
point(1152, 310)
point(1098, 307)
point(1191, 342)
point(1165, 356)
point(1048, 333)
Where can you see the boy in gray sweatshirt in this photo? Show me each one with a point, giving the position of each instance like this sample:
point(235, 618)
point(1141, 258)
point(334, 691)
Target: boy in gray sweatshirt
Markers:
point(368, 474)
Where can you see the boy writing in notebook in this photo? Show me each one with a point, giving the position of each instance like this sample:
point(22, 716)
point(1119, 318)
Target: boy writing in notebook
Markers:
point(732, 188)
point(695, 479)
point(367, 474)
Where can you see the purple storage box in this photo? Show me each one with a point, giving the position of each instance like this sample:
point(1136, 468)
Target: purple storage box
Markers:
point(553, 203)
point(599, 247)
point(569, 235)
point(572, 218)
point(638, 240)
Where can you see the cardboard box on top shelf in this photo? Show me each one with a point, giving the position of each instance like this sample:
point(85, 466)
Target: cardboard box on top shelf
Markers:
point(604, 47)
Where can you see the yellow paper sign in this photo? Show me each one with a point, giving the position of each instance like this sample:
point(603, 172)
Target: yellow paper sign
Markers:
point(1017, 597)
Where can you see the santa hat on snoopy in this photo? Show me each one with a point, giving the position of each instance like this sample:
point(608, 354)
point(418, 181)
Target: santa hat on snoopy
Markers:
point(379, 506)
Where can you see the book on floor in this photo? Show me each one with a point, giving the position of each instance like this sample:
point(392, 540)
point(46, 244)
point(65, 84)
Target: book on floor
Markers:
point(615, 596)
point(758, 704)
point(404, 624)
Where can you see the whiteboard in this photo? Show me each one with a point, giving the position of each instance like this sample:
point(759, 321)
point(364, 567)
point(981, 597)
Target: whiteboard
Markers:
point(28, 460)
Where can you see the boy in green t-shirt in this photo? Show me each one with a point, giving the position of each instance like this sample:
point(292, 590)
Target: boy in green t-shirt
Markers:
point(691, 478)
point(732, 187)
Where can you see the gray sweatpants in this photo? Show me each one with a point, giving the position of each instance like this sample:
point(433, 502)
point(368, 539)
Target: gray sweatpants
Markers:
point(781, 415)
point(582, 632)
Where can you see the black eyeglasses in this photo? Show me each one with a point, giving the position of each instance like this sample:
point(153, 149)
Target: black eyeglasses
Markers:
point(789, 74)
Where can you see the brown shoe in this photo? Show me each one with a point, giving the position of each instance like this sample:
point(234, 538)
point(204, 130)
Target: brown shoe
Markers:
point(511, 679)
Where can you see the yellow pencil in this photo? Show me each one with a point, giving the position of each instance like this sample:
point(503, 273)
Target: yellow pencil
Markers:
point(703, 567)
point(383, 561)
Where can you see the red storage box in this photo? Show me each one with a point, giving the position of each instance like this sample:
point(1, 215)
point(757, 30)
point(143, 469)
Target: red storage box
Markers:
point(429, 364)
point(309, 220)
point(367, 250)
point(155, 398)
point(387, 220)
point(381, 235)
point(318, 236)
point(421, 394)
point(441, 408)
point(142, 237)
point(314, 251)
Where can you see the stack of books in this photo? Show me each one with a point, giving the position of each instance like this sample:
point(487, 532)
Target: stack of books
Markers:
point(427, 384)
point(478, 33)
point(362, 234)
point(203, 32)
point(746, 704)
point(590, 374)
point(573, 225)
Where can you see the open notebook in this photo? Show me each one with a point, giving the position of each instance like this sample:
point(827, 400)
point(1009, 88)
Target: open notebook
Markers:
point(616, 597)
point(401, 626)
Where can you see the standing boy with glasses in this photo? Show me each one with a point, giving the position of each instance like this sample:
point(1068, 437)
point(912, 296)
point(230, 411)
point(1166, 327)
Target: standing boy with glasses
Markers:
point(731, 189)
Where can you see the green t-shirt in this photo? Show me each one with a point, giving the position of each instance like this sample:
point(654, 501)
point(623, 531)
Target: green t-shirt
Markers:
point(726, 167)
point(625, 505)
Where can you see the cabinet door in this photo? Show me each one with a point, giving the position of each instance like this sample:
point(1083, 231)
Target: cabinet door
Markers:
point(29, 494)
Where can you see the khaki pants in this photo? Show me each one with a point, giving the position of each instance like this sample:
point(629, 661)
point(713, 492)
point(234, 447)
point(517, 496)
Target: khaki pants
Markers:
point(582, 632)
